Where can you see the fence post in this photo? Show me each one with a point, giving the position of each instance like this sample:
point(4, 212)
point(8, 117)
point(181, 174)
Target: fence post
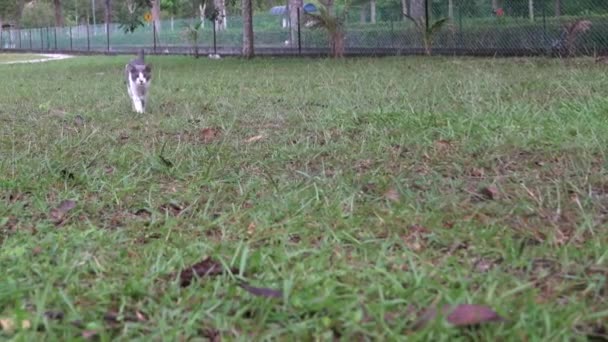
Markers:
point(10, 39)
point(299, 34)
point(48, 39)
point(88, 38)
point(1, 45)
point(20, 38)
point(41, 40)
point(30, 39)
point(108, 37)
point(71, 46)
point(214, 40)
point(55, 37)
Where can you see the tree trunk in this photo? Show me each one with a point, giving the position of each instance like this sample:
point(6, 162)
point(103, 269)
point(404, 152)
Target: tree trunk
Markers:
point(363, 15)
point(221, 23)
point(494, 5)
point(247, 29)
point(156, 14)
point(372, 11)
point(58, 13)
point(531, 9)
point(294, 5)
point(108, 14)
point(404, 9)
point(451, 9)
point(417, 8)
point(558, 8)
point(20, 6)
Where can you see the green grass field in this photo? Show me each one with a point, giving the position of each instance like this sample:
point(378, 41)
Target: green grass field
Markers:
point(367, 190)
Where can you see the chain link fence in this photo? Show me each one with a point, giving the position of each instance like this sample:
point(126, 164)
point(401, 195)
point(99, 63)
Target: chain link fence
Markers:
point(464, 27)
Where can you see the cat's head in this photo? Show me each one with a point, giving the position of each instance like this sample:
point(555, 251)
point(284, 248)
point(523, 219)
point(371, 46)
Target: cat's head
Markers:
point(140, 74)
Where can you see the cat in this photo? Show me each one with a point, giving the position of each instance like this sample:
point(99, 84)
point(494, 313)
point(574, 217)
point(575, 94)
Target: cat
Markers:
point(139, 76)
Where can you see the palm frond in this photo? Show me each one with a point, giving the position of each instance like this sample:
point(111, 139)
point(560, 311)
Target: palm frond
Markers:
point(438, 25)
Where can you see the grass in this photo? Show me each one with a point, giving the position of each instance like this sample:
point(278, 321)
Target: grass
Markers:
point(14, 57)
point(365, 189)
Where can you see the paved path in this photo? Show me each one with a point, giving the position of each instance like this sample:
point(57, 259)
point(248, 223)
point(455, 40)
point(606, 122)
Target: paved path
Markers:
point(48, 57)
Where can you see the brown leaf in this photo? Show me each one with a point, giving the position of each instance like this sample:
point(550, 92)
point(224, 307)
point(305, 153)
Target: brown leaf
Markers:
point(58, 214)
point(251, 228)
point(254, 138)
point(490, 192)
point(8, 325)
point(172, 208)
point(392, 195)
point(208, 135)
point(89, 334)
point(472, 314)
point(207, 267)
point(262, 291)
point(460, 315)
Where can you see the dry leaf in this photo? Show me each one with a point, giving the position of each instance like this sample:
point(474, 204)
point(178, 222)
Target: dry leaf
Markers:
point(392, 195)
point(8, 325)
point(490, 192)
point(262, 291)
point(251, 228)
point(208, 135)
point(89, 334)
point(207, 267)
point(58, 214)
point(460, 315)
point(254, 138)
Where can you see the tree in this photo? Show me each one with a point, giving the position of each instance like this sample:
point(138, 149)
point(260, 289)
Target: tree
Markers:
point(221, 23)
point(294, 6)
point(156, 14)
point(247, 29)
point(558, 8)
point(531, 9)
point(333, 24)
point(108, 14)
point(11, 11)
point(372, 11)
point(417, 8)
point(58, 13)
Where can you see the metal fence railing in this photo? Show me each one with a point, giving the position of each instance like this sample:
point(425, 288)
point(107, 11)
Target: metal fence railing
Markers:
point(482, 27)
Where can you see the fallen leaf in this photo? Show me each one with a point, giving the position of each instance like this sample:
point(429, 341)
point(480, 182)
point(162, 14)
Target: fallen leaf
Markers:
point(8, 324)
point(172, 208)
point(208, 135)
point(58, 214)
point(392, 195)
point(471, 314)
point(262, 291)
point(460, 315)
point(254, 138)
point(251, 228)
point(89, 334)
point(490, 192)
point(207, 267)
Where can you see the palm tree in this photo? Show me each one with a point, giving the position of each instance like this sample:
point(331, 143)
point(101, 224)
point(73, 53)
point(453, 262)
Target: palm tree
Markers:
point(333, 24)
point(247, 29)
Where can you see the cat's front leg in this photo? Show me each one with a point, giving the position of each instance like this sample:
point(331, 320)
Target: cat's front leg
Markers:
point(138, 105)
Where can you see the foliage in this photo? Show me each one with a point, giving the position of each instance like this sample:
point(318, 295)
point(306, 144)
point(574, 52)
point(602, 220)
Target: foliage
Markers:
point(334, 26)
point(191, 34)
point(428, 33)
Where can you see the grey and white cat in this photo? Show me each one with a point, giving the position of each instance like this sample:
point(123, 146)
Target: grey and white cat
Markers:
point(139, 75)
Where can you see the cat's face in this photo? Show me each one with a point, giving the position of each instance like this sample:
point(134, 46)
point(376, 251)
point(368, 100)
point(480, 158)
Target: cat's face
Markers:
point(140, 74)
